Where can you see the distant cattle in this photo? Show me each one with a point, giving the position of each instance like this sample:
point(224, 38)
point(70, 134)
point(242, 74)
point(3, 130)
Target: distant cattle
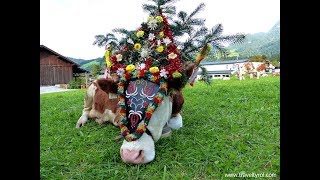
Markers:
point(253, 69)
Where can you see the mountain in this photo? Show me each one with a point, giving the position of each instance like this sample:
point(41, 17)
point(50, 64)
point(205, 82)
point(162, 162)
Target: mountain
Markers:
point(262, 43)
point(86, 64)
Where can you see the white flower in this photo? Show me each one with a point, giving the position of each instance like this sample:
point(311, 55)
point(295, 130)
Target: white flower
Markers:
point(158, 42)
point(163, 73)
point(151, 36)
point(120, 71)
point(130, 41)
point(144, 52)
point(152, 24)
point(119, 57)
point(167, 41)
point(172, 55)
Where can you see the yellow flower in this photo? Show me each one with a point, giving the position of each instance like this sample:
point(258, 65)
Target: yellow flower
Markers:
point(159, 19)
point(161, 34)
point(150, 18)
point(176, 74)
point(154, 69)
point(160, 49)
point(172, 55)
point(137, 46)
point(140, 34)
point(130, 68)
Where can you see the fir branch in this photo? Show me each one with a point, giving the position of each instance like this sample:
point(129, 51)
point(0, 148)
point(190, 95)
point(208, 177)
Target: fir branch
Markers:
point(217, 30)
point(232, 39)
point(204, 76)
point(122, 31)
point(182, 15)
point(199, 8)
point(149, 8)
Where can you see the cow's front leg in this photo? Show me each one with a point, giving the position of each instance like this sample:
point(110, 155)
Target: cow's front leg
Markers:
point(88, 101)
point(82, 120)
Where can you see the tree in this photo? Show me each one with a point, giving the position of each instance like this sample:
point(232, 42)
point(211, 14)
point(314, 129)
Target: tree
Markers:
point(258, 58)
point(95, 69)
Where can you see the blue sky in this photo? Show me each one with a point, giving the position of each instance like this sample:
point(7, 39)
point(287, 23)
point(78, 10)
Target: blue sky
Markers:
point(69, 26)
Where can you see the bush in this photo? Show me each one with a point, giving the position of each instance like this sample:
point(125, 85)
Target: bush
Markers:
point(76, 83)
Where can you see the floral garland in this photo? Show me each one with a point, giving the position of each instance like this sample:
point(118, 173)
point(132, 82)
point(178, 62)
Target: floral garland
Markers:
point(124, 78)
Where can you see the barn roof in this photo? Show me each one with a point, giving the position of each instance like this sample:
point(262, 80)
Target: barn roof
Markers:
point(216, 72)
point(76, 67)
point(225, 62)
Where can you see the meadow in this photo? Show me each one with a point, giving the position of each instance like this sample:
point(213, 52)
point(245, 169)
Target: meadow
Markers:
point(230, 127)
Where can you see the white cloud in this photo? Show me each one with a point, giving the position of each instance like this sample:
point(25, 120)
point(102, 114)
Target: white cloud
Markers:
point(69, 26)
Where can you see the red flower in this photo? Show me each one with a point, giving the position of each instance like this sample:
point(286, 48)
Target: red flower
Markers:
point(148, 115)
point(127, 76)
point(142, 73)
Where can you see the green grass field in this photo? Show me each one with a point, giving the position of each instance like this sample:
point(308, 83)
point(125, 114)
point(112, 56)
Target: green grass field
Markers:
point(230, 127)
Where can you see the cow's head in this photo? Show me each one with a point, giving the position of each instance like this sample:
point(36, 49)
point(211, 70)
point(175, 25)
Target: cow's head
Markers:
point(139, 93)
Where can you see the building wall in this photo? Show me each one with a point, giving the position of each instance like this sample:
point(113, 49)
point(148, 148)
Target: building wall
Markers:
point(54, 70)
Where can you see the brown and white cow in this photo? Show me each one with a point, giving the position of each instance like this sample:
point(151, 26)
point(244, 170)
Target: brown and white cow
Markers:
point(254, 69)
point(101, 104)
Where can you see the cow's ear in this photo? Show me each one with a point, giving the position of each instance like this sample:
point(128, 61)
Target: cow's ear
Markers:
point(189, 67)
point(108, 85)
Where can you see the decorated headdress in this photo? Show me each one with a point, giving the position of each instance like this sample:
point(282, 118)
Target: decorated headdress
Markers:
point(151, 54)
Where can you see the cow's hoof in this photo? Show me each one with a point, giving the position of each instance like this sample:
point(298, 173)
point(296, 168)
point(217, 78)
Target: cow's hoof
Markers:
point(166, 131)
point(175, 122)
point(82, 120)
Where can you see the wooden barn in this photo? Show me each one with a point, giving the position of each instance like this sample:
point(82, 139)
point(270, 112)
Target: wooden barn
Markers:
point(55, 68)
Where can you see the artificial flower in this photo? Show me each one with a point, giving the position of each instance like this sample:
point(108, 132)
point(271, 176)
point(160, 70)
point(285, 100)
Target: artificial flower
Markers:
point(151, 37)
point(130, 68)
point(130, 41)
point(154, 69)
point(150, 18)
point(137, 46)
point(144, 52)
point(176, 74)
point(158, 42)
point(163, 73)
point(140, 34)
point(159, 19)
point(172, 55)
point(153, 24)
point(160, 49)
point(161, 34)
point(167, 41)
point(119, 57)
point(120, 71)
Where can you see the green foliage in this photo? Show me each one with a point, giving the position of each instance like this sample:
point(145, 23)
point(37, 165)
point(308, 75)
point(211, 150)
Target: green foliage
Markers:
point(76, 83)
point(258, 58)
point(89, 65)
point(95, 69)
point(231, 127)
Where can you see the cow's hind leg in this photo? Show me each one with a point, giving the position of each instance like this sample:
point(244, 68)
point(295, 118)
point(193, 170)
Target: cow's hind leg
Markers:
point(88, 102)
